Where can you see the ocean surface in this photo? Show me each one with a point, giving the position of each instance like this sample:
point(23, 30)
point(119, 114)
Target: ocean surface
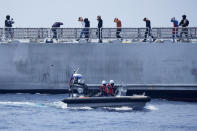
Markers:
point(38, 112)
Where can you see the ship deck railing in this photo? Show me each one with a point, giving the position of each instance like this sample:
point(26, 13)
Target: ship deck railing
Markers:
point(92, 33)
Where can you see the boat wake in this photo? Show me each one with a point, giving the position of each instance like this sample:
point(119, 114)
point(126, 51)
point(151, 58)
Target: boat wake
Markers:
point(20, 104)
point(58, 104)
point(151, 107)
point(124, 108)
point(62, 105)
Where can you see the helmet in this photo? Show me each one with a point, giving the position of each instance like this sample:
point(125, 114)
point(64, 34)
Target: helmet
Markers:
point(104, 82)
point(111, 81)
point(145, 19)
point(77, 76)
point(184, 16)
point(7, 16)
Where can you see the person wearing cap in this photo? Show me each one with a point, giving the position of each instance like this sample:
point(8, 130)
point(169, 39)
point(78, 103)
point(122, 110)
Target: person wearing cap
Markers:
point(175, 29)
point(103, 89)
point(118, 26)
point(99, 31)
point(83, 31)
point(111, 88)
point(148, 30)
point(8, 27)
point(184, 24)
point(55, 26)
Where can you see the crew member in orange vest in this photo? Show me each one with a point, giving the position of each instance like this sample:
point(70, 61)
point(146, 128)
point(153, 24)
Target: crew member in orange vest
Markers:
point(103, 88)
point(111, 88)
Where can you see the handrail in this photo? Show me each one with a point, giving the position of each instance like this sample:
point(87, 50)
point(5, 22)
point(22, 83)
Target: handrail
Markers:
point(92, 33)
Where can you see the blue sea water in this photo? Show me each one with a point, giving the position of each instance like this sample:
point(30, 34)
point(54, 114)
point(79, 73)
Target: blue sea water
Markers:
point(36, 112)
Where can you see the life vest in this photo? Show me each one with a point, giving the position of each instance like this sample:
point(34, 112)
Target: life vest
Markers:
point(110, 89)
point(105, 89)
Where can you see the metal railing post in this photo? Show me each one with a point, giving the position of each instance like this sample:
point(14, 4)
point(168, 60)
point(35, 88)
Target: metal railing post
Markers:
point(139, 34)
point(75, 32)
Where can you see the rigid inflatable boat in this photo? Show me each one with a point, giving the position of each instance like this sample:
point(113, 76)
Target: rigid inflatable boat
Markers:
point(136, 101)
point(83, 99)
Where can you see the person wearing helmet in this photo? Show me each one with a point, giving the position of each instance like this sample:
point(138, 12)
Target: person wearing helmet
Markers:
point(175, 29)
point(118, 26)
point(99, 30)
point(8, 27)
point(111, 88)
point(54, 29)
point(184, 24)
point(103, 88)
point(148, 30)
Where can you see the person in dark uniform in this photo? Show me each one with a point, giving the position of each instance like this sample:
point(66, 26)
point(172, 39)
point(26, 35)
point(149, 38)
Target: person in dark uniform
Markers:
point(54, 29)
point(87, 26)
point(184, 24)
point(8, 27)
point(148, 30)
point(99, 31)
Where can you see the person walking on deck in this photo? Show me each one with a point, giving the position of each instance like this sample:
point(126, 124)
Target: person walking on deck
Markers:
point(55, 26)
point(8, 27)
point(184, 24)
point(175, 29)
point(83, 31)
point(87, 26)
point(118, 26)
point(148, 30)
point(99, 30)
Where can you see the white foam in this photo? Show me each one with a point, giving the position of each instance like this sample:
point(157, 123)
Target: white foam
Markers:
point(17, 103)
point(124, 108)
point(81, 108)
point(151, 107)
point(59, 104)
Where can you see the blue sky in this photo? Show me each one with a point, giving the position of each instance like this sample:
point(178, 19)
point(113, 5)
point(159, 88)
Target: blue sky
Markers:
point(43, 13)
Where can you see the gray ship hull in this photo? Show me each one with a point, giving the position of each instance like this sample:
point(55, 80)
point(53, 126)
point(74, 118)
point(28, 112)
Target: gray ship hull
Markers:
point(50, 66)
